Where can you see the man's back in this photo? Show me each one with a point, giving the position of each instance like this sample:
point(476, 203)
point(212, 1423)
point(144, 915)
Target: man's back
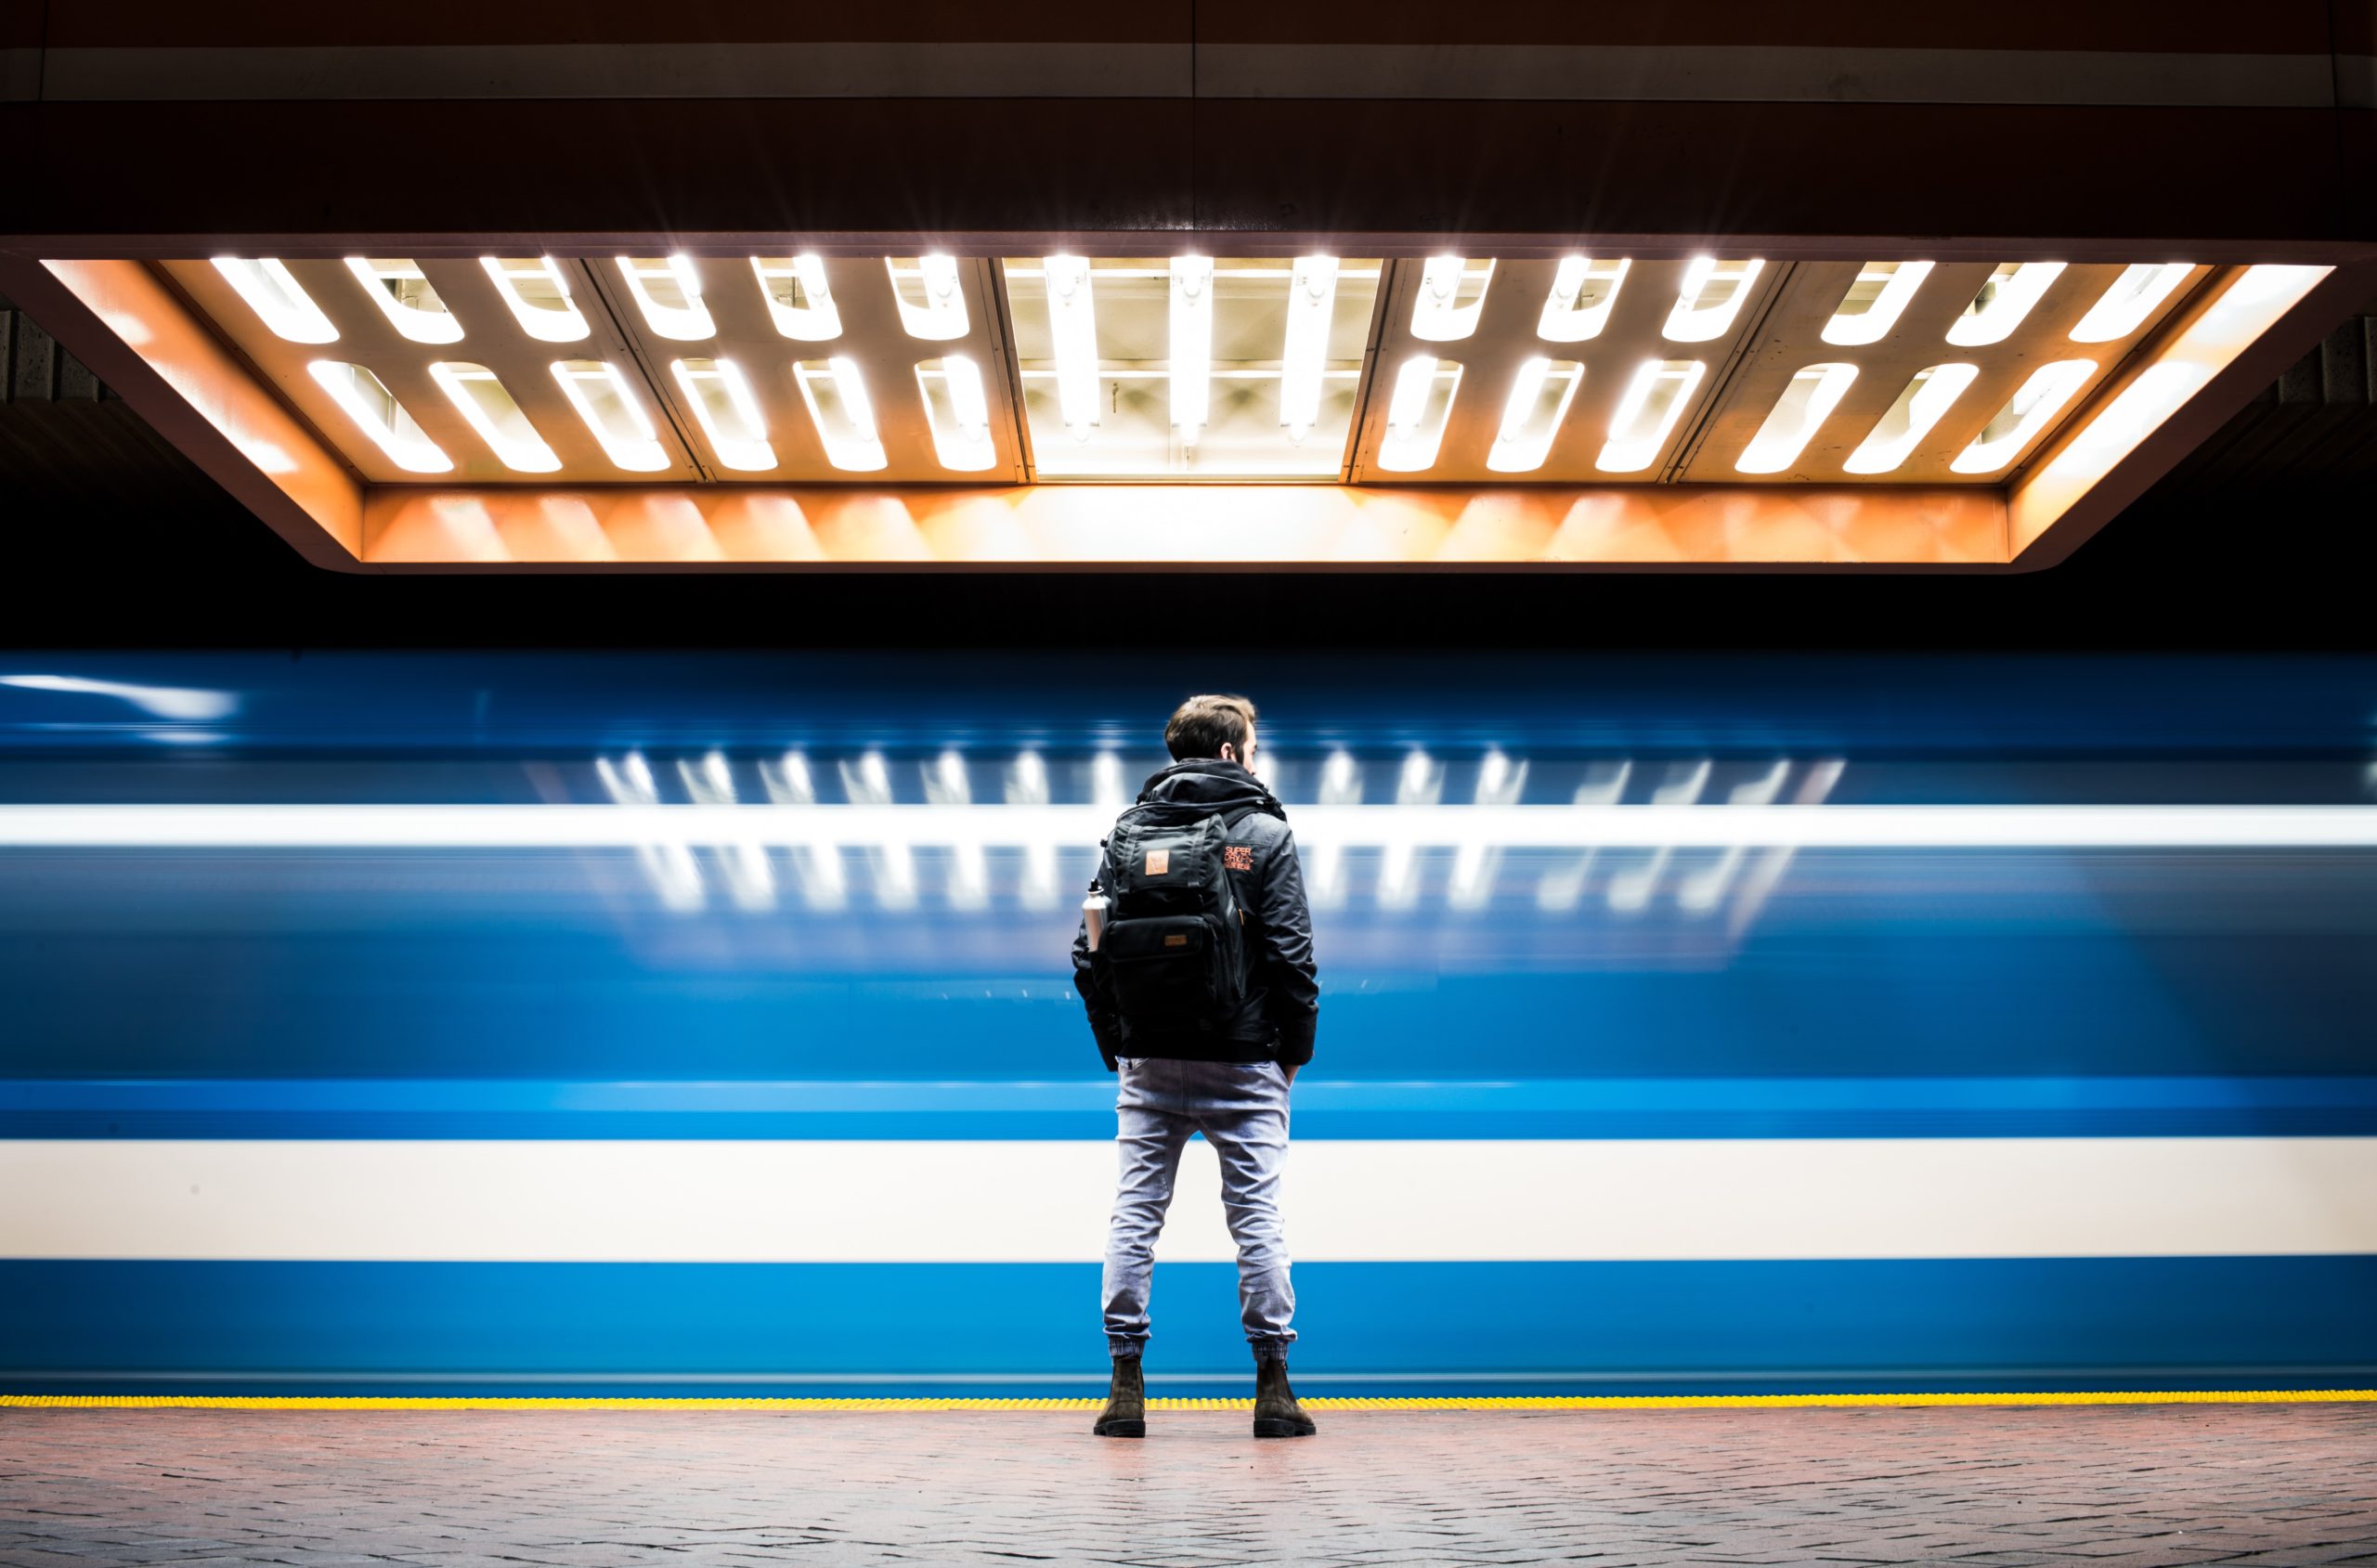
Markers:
point(1274, 1020)
point(1214, 938)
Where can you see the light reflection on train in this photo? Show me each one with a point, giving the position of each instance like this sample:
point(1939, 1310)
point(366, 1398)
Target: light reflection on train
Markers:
point(1728, 885)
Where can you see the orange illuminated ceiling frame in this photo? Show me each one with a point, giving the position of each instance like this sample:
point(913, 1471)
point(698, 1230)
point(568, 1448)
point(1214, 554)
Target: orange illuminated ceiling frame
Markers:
point(2234, 330)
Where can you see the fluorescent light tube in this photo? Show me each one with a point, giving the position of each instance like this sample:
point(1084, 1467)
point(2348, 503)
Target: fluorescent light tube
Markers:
point(669, 292)
point(1073, 331)
point(536, 291)
point(1415, 421)
point(2124, 306)
point(1540, 394)
point(277, 299)
point(364, 398)
point(1877, 313)
point(835, 392)
point(1928, 394)
point(490, 409)
point(2002, 303)
point(1808, 401)
point(1441, 314)
point(1583, 293)
point(2024, 416)
point(1190, 348)
point(938, 314)
point(727, 413)
point(608, 407)
point(958, 412)
point(1714, 293)
point(388, 281)
point(800, 303)
point(1312, 296)
point(1647, 415)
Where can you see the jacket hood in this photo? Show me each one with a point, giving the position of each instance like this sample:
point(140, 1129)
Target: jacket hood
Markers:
point(1208, 784)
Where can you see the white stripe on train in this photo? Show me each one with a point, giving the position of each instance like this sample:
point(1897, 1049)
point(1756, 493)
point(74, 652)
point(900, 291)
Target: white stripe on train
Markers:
point(1546, 827)
point(934, 1201)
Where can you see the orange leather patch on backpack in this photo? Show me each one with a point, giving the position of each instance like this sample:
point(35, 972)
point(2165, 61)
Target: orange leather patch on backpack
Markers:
point(1159, 861)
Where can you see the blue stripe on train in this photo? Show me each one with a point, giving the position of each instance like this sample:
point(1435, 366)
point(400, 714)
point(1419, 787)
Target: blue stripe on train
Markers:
point(102, 1325)
point(2299, 1106)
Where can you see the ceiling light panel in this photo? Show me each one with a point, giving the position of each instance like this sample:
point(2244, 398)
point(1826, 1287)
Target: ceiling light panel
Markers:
point(511, 423)
point(1190, 366)
point(789, 367)
point(820, 340)
point(1919, 394)
point(1548, 363)
point(707, 349)
point(403, 292)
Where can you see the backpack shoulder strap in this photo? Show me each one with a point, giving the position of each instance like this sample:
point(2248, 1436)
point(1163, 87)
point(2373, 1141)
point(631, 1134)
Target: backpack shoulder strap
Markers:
point(1236, 814)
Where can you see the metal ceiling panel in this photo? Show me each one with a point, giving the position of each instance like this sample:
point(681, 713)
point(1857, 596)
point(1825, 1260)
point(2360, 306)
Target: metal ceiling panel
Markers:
point(1790, 339)
point(490, 337)
point(872, 334)
point(1507, 334)
point(621, 334)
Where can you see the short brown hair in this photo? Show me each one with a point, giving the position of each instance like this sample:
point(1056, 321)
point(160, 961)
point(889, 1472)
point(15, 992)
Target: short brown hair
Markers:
point(1199, 726)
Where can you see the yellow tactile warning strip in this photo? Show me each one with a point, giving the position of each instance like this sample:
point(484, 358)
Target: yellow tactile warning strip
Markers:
point(1453, 1402)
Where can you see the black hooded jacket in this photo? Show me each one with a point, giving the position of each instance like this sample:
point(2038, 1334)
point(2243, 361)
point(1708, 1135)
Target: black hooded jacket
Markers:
point(1282, 986)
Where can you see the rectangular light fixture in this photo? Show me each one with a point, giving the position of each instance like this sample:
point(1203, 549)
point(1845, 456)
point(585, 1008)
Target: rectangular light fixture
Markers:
point(835, 391)
point(1876, 299)
point(1250, 371)
point(2002, 303)
point(537, 291)
point(490, 410)
point(1417, 413)
point(364, 398)
point(800, 302)
point(958, 412)
point(2024, 416)
point(1540, 394)
point(1452, 295)
point(278, 300)
point(727, 413)
point(668, 291)
point(402, 293)
point(1712, 295)
point(1647, 414)
point(1928, 394)
point(930, 295)
point(1808, 401)
point(2123, 307)
point(1583, 293)
point(611, 413)
point(1072, 331)
point(1189, 347)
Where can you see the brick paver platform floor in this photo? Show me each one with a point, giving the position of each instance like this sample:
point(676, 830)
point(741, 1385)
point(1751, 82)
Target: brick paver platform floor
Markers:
point(2122, 1484)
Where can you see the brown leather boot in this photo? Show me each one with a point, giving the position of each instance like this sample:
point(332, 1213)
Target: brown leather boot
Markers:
point(1277, 1414)
point(1126, 1403)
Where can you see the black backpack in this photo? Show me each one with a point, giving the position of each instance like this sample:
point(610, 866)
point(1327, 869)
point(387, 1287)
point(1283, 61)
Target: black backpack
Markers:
point(1174, 944)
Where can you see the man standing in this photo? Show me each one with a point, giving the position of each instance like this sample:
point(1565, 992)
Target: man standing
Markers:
point(1199, 979)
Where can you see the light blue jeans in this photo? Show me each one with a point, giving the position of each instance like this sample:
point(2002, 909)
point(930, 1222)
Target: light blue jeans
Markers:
point(1242, 1110)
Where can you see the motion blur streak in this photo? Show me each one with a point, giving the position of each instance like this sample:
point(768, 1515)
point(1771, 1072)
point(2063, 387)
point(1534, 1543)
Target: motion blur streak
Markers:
point(570, 1023)
point(1397, 829)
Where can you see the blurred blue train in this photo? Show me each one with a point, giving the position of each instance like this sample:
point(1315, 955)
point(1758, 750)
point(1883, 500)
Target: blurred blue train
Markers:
point(355, 1046)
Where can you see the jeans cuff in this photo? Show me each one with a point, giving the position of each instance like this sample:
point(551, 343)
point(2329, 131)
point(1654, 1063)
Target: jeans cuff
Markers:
point(1270, 1349)
point(1126, 1347)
